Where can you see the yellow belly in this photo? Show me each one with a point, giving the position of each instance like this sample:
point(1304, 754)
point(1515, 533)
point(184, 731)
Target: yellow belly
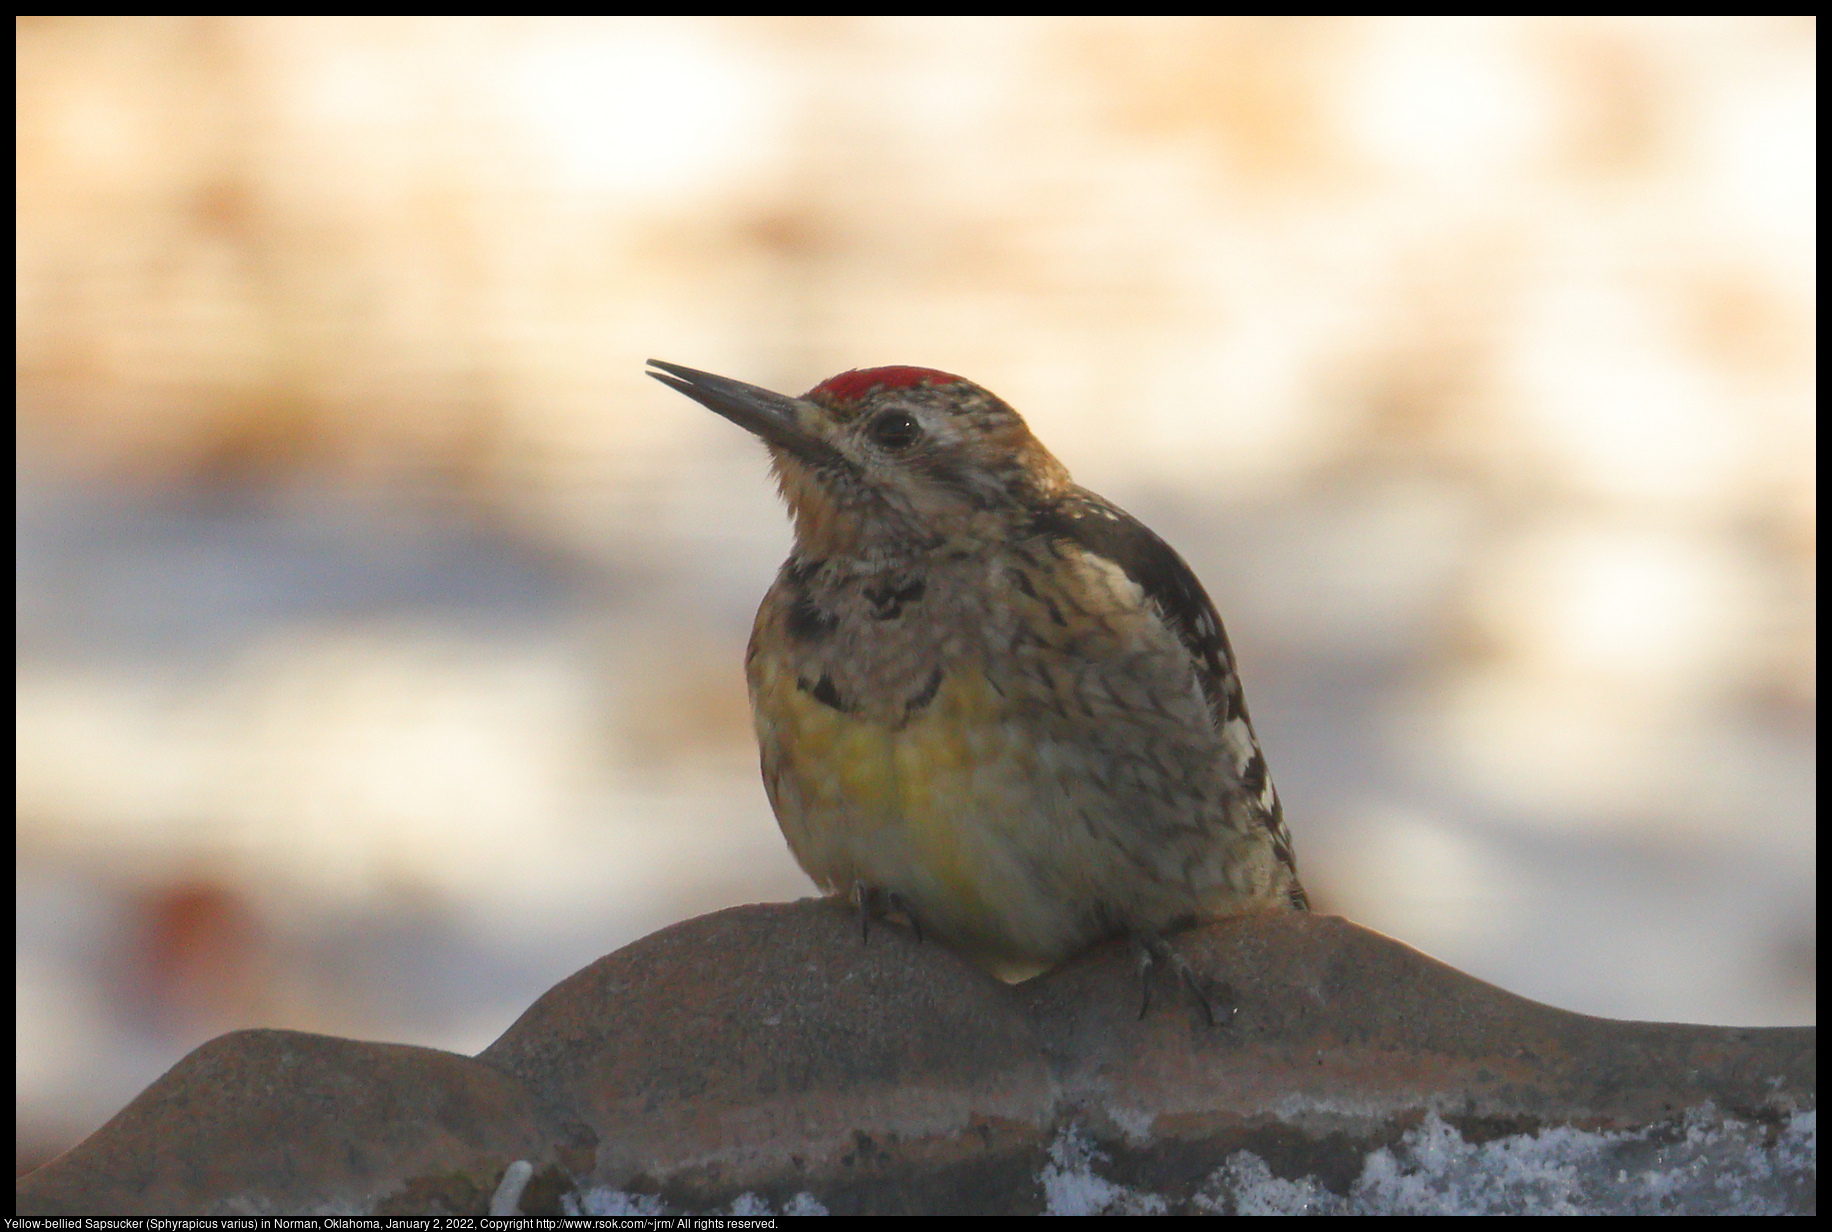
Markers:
point(948, 810)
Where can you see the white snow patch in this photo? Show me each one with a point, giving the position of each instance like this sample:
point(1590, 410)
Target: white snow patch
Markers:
point(1257, 1192)
point(1705, 1165)
point(1135, 1123)
point(605, 1201)
point(1071, 1186)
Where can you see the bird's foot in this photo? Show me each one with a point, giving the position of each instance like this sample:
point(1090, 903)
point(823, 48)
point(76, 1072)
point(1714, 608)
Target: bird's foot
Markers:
point(873, 902)
point(1216, 1001)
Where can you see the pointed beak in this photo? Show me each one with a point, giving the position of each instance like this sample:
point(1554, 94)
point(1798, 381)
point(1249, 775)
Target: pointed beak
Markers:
point(771, 416)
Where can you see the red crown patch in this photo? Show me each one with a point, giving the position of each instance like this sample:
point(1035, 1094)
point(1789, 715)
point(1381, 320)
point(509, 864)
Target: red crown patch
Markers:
point(859, 381)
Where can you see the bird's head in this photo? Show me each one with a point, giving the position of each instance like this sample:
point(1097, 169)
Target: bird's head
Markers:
point(886, 461)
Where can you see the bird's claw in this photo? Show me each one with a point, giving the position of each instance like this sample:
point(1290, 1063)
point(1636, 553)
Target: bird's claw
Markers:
point(872, 901)
point(1151, 949)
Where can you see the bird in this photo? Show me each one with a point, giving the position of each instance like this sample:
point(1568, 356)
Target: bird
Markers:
point(988, 700)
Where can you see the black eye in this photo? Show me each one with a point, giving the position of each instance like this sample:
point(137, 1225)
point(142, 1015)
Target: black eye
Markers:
point(894, 430)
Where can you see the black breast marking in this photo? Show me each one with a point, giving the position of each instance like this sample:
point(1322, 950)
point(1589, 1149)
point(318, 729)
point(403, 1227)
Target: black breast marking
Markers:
point(925, 695)
point(807, 621)
point(888, 597)
point(823, 691)
point(798, 569)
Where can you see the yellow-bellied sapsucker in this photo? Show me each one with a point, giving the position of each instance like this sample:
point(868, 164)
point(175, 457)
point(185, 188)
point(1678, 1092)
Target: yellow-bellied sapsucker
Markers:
point(986, 697)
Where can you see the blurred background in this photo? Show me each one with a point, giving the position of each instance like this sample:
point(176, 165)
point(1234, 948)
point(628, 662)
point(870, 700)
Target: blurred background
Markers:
point(380, 625)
